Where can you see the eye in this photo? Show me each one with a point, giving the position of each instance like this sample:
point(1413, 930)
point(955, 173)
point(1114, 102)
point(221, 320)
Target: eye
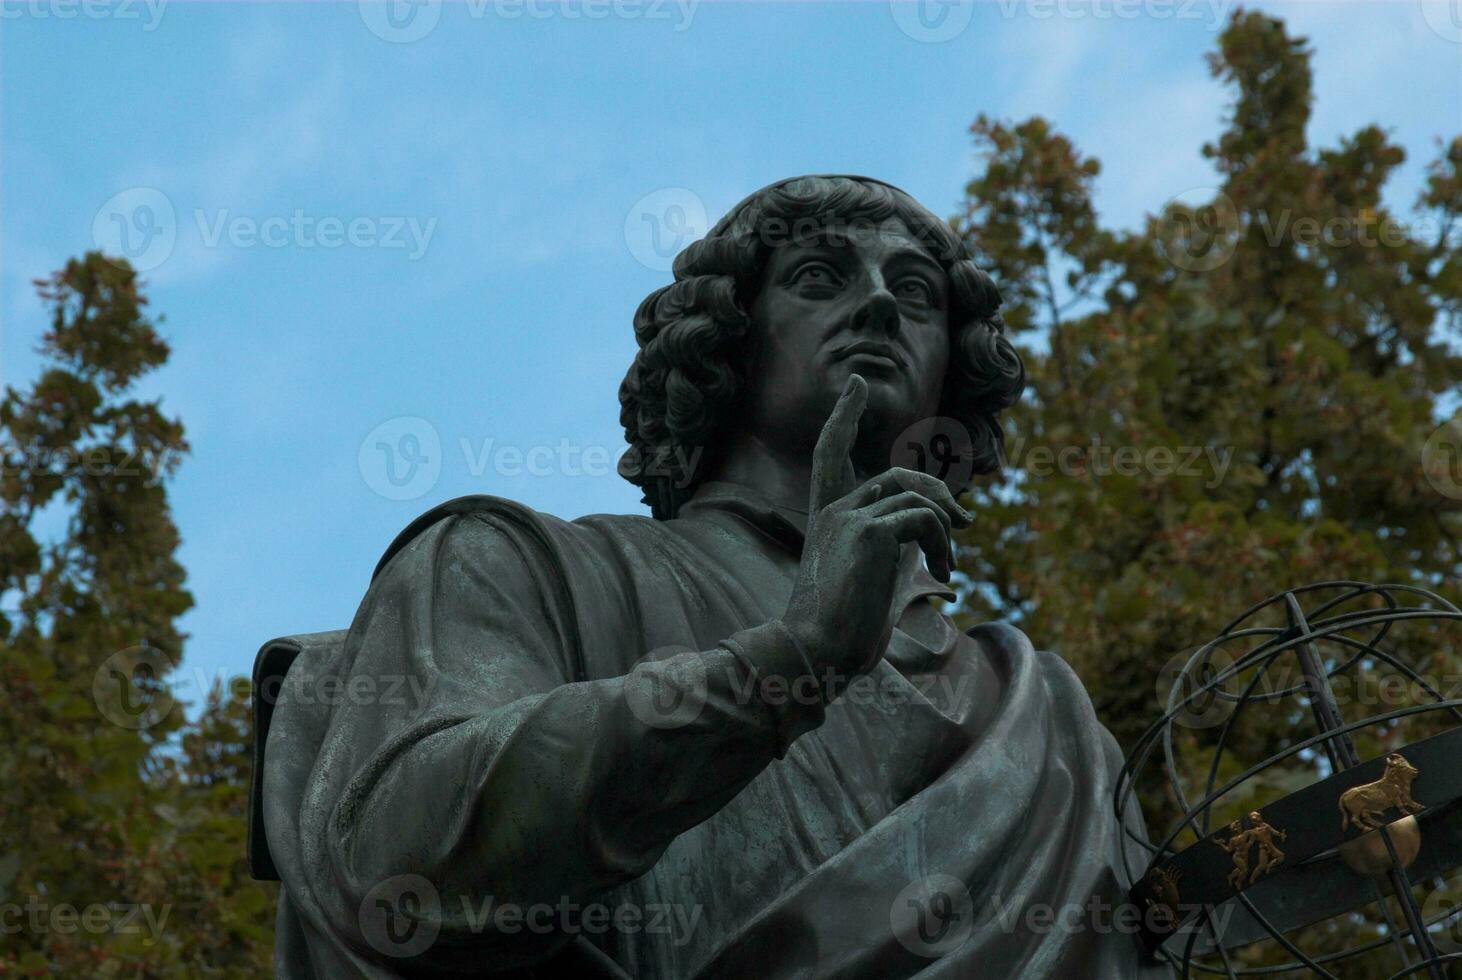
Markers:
point(915, 289)
point(815, 274)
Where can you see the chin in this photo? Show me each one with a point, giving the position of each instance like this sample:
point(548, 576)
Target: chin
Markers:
point(890, 401)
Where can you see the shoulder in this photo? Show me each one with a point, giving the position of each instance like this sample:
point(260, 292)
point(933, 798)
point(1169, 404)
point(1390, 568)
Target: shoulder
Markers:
point(1052, 670)
point(1011, 644)
point(484, 556)
point(487, 517)
point(485, 526)
point(1003, 637)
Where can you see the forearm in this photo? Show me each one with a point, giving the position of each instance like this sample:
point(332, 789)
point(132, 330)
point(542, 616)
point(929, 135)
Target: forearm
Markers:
point(560, 796)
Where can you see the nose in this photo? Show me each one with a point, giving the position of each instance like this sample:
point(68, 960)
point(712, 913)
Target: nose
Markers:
point(879, 314)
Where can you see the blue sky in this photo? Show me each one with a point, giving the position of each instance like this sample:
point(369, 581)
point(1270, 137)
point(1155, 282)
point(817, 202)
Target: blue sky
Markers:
point(360, 239)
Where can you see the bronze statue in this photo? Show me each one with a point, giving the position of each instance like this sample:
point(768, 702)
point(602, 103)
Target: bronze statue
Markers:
point(1240, 845)
point(1364, 806)
point(741, 716)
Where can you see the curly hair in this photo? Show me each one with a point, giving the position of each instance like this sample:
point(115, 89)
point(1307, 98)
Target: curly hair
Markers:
point(680, 395)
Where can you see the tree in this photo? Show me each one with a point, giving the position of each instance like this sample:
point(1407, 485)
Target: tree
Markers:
point(109, 834)
point(1284, 325)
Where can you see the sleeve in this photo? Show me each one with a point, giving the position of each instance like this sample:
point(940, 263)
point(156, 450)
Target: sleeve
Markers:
point(459, 749)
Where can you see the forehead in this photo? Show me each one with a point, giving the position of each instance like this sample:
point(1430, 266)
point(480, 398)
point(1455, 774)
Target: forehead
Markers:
point(883, 238)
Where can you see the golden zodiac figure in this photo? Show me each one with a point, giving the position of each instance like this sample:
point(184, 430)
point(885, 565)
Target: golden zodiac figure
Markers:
point(1363, 806)
point(1165, 884)
point(1240, 854)
point(1239, 843)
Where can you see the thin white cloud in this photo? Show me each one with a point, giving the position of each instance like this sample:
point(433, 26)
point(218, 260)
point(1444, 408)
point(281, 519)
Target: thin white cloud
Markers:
point(265, 154)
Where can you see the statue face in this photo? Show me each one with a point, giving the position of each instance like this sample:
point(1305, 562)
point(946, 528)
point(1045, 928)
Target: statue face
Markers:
point(874, 303)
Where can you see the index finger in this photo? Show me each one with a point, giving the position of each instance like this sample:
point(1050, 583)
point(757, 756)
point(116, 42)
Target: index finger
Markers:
point(831, 468)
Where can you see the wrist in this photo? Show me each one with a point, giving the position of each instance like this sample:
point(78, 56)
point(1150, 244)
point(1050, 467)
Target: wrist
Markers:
point(828, 659)
point(783, 679)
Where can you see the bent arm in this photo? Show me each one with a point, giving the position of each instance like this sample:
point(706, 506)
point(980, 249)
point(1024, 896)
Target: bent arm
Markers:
point(501, 780)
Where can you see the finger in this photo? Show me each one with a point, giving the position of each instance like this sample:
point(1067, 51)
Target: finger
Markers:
point(941, 565)
point(922, 524)
point(899, 478)
point(906, 500)
point(938, 549)
point(832, 470)
point(935, 489)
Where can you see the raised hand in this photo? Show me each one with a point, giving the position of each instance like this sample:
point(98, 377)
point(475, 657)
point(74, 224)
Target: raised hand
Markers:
point(841, 609)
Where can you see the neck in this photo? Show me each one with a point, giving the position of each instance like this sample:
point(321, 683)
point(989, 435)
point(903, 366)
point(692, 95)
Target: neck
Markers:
point(781, 473)
point(780, 470)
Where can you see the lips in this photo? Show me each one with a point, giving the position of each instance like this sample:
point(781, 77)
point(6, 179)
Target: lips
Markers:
point(871, 348)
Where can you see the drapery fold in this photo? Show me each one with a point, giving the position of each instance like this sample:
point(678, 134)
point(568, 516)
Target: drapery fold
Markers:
point(522, 765)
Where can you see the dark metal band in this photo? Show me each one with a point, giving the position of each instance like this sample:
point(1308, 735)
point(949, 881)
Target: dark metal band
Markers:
point(1295, 837)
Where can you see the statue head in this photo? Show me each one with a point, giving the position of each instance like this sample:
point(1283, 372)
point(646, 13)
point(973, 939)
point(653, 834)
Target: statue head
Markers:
point(805, 282)
point(1396, 765)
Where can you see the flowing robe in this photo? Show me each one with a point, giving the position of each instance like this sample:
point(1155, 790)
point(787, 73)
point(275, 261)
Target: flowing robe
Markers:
point(534, 765)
